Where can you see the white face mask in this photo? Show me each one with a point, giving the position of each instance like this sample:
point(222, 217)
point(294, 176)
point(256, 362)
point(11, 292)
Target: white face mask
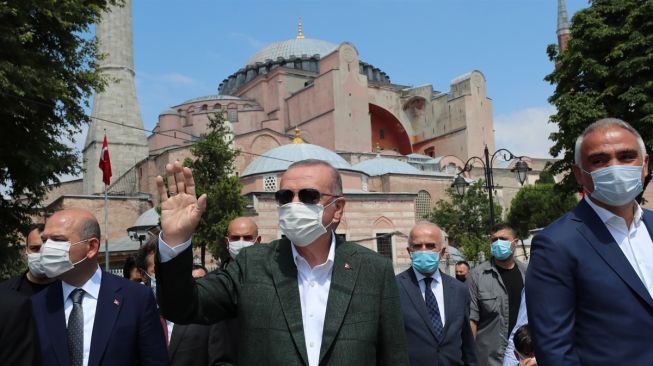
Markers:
point(617, 185)
point(302, 223)
point(35, 265)
point(236, 246)
point(55, 257)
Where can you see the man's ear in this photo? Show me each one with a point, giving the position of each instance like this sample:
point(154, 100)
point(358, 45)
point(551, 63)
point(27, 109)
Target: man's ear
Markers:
point(226, 242)
point(94, 247)
point(340, 209)
point(258, 240)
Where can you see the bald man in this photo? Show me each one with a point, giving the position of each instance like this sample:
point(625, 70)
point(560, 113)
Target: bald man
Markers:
point(435, 306)
point(85, 303)
point(242, 232)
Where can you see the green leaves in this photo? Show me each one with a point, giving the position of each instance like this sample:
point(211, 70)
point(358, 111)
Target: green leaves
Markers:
point(467, 219)
point(606, 71)
point(213, 171)
point(47, 75)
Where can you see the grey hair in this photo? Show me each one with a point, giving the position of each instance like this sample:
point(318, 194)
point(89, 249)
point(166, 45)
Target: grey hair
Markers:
point(605, 123)
point(90, 229)
point(336, 184)
point(443, 235)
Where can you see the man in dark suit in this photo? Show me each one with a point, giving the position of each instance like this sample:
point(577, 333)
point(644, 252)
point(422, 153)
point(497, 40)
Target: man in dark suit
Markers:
point(590, 278)
point(192, 344)
point(310, 299)
point(437, 334)
point(91, 317)
point(19, 343)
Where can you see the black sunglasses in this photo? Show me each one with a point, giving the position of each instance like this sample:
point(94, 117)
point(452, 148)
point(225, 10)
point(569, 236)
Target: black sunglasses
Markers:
point(308, 196)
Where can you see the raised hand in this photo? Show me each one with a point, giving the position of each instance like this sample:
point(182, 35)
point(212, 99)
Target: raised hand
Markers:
point(182, 210)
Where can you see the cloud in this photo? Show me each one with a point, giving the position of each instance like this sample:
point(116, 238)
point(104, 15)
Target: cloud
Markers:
point(178, 79)
point(526, 131)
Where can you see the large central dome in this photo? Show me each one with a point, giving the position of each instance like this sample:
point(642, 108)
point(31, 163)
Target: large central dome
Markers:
point(292, 47)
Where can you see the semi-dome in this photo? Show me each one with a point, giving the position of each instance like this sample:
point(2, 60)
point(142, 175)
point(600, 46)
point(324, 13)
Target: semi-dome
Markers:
point(279, 158)
point(381, 166)
point(148, 218)
point(292, 47)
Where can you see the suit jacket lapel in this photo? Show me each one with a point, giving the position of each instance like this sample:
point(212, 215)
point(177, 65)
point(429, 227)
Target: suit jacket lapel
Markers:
point(108, 307)
point(449, 301)
point(343, 279)
point(411, 285)
point(55, 322)
point(601, 240)
point(178, 332)
point(284, 273)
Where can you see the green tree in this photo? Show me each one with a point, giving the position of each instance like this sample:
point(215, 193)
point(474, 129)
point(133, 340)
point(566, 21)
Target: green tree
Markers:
point(538, 205)
point(48, 71)
point(213, 171)
point(605, 71)
point(467, 219)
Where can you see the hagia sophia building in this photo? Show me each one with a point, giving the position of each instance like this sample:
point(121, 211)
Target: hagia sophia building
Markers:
point(397, 147)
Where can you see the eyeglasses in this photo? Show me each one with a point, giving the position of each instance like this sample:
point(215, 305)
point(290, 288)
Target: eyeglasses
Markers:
point(308, 196)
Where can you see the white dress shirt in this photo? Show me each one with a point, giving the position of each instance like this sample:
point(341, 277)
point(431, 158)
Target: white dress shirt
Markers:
point(634, 241)
point(89, 303)
point(314, 284)
point(436, 288)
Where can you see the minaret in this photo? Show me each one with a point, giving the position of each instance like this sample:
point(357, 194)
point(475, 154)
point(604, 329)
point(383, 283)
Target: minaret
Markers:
point(563, 26)
point(116, 108)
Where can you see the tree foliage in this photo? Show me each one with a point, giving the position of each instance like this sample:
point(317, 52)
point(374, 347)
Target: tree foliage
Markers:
point(538, 205)
point(606, 71)
point(467, 219)
point(48, 71)
point(213, 171)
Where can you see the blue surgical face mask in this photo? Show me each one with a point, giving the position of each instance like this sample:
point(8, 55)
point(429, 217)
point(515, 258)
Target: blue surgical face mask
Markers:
point(617, 185)
point(425, 262)
point(501, 249)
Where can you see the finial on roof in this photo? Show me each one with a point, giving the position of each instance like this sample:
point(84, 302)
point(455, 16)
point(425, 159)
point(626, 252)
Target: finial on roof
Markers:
point(300, 34)
point(297, 139)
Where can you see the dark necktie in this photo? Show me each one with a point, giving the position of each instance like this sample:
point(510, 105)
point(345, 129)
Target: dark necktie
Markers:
point(432, 307)
point(76, 329)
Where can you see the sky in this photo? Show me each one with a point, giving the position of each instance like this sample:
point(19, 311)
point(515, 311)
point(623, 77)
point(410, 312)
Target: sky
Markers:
point(184, 49)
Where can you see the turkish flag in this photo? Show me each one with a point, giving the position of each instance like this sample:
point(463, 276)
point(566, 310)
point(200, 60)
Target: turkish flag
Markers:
point(105, 163)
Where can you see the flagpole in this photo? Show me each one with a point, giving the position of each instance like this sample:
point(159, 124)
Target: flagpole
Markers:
point(106, 229)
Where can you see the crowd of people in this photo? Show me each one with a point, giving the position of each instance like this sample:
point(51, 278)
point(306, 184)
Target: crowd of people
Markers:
point(312, 298)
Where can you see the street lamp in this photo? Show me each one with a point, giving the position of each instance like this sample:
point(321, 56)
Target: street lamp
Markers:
point(521, 169)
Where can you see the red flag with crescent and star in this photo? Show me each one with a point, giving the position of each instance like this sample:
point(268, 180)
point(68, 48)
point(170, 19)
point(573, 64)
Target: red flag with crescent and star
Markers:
point(105, 163)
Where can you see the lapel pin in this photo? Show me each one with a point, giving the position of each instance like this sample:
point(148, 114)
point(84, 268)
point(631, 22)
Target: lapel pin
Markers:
point(348, 266)
point(116, 301)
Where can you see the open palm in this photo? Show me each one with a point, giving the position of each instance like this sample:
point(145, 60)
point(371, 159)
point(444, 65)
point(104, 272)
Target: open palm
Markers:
point(181, 210)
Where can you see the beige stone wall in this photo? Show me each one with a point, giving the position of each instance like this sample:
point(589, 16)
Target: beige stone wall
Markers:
point(72, 187)
point(123, 211)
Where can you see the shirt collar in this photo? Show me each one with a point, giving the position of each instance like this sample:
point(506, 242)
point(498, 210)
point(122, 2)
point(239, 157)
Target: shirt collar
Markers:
point(436, 275)
point(332, 252)
point(91, 287)
point(606, 215)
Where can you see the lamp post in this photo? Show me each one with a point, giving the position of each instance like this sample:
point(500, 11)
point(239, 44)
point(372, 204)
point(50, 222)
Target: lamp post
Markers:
point(521, 169)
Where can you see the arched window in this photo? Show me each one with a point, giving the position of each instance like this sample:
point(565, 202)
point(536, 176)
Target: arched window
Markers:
point(422, 205)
